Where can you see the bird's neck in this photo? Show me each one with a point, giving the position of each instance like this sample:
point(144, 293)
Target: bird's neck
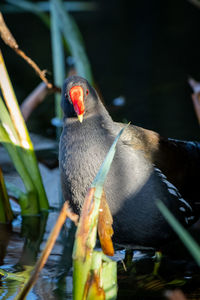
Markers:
point(97, 115)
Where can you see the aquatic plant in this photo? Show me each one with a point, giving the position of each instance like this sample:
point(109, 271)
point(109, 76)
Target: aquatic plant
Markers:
point(15, 138)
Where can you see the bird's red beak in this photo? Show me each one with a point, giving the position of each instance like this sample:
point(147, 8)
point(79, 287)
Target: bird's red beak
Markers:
point(77, 98)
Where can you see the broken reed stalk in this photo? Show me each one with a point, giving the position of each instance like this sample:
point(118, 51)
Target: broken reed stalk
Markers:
point(87, 228)
point(65, 212)
point(9, 40)
point(34, 99)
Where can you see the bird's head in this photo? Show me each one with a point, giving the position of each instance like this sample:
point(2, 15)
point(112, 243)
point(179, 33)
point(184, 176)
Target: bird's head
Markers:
point(78, 97)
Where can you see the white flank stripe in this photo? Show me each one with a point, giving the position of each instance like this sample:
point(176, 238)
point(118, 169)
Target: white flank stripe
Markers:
point(186, 203)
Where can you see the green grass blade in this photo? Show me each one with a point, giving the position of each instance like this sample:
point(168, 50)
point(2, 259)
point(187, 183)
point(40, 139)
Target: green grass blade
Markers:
point(13, 107)
point(186, 238)
point(5, 208)
point(58, 58)
point(31, 7)
point(21, 197)
point(74, 40)
point(27, 151)
point(36, 10)
point(19, 156)
point(107, 271)
point(7, 123)
point(101, 175)
point(87, 228)
point(44, 6)
point(31, 163)
point(109, 279)
point(30, 207)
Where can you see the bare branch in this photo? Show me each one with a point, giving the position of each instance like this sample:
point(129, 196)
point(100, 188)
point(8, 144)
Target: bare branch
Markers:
point(9, 40)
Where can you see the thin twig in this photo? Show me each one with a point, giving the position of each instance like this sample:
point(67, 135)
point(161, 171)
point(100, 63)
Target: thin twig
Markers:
point(8, 38)
point(65, 212)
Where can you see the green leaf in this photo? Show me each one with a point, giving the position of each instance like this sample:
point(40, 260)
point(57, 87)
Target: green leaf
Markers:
point(7, 123)
point(109, 279)
point(74, 40)
point(58, 57)
point(85, 240)
point(186, 238)
point(31, 7)
point(105, 167)
point(13, 151)
point(6, 214)
point(17, 127)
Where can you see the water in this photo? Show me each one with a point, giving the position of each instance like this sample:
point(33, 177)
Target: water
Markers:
point(145, 55)
point(142, 278)
point(20, 250)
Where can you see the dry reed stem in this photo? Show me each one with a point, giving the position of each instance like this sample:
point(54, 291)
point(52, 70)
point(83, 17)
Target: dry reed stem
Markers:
point(65, 212)
point(9, 40)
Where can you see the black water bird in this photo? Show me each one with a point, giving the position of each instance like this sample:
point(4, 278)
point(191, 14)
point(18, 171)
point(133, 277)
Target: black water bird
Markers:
point(146, 167)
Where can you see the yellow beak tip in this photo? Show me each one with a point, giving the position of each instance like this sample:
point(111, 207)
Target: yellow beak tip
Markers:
point(80, 117)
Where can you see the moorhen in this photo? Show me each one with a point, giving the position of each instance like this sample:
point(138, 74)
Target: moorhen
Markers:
point(146, 167)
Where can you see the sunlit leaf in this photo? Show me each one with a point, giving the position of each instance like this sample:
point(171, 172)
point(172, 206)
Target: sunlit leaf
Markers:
point(18, 129)
point(7, 123)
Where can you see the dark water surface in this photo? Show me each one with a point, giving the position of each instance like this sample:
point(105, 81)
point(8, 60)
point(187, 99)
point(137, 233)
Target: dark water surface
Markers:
point(144, 277)
point(20, 248)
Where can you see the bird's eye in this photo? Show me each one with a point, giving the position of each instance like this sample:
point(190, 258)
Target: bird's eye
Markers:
point(87, 92)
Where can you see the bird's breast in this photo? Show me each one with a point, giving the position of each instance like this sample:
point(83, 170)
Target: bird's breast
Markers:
point(80, 157)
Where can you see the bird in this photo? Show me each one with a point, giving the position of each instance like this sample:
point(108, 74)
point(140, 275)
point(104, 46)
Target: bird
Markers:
point(146, 167)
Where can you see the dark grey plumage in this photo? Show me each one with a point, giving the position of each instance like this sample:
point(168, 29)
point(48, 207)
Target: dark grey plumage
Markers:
point(133, 184)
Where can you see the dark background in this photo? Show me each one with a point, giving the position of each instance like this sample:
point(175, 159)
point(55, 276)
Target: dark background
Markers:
point(144, 51)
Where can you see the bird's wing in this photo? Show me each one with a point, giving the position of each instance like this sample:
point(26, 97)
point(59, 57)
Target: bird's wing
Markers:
point(144, 140)
point(178, 160)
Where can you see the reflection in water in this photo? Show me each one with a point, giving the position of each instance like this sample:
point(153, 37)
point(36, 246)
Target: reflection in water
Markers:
point(19, 250)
